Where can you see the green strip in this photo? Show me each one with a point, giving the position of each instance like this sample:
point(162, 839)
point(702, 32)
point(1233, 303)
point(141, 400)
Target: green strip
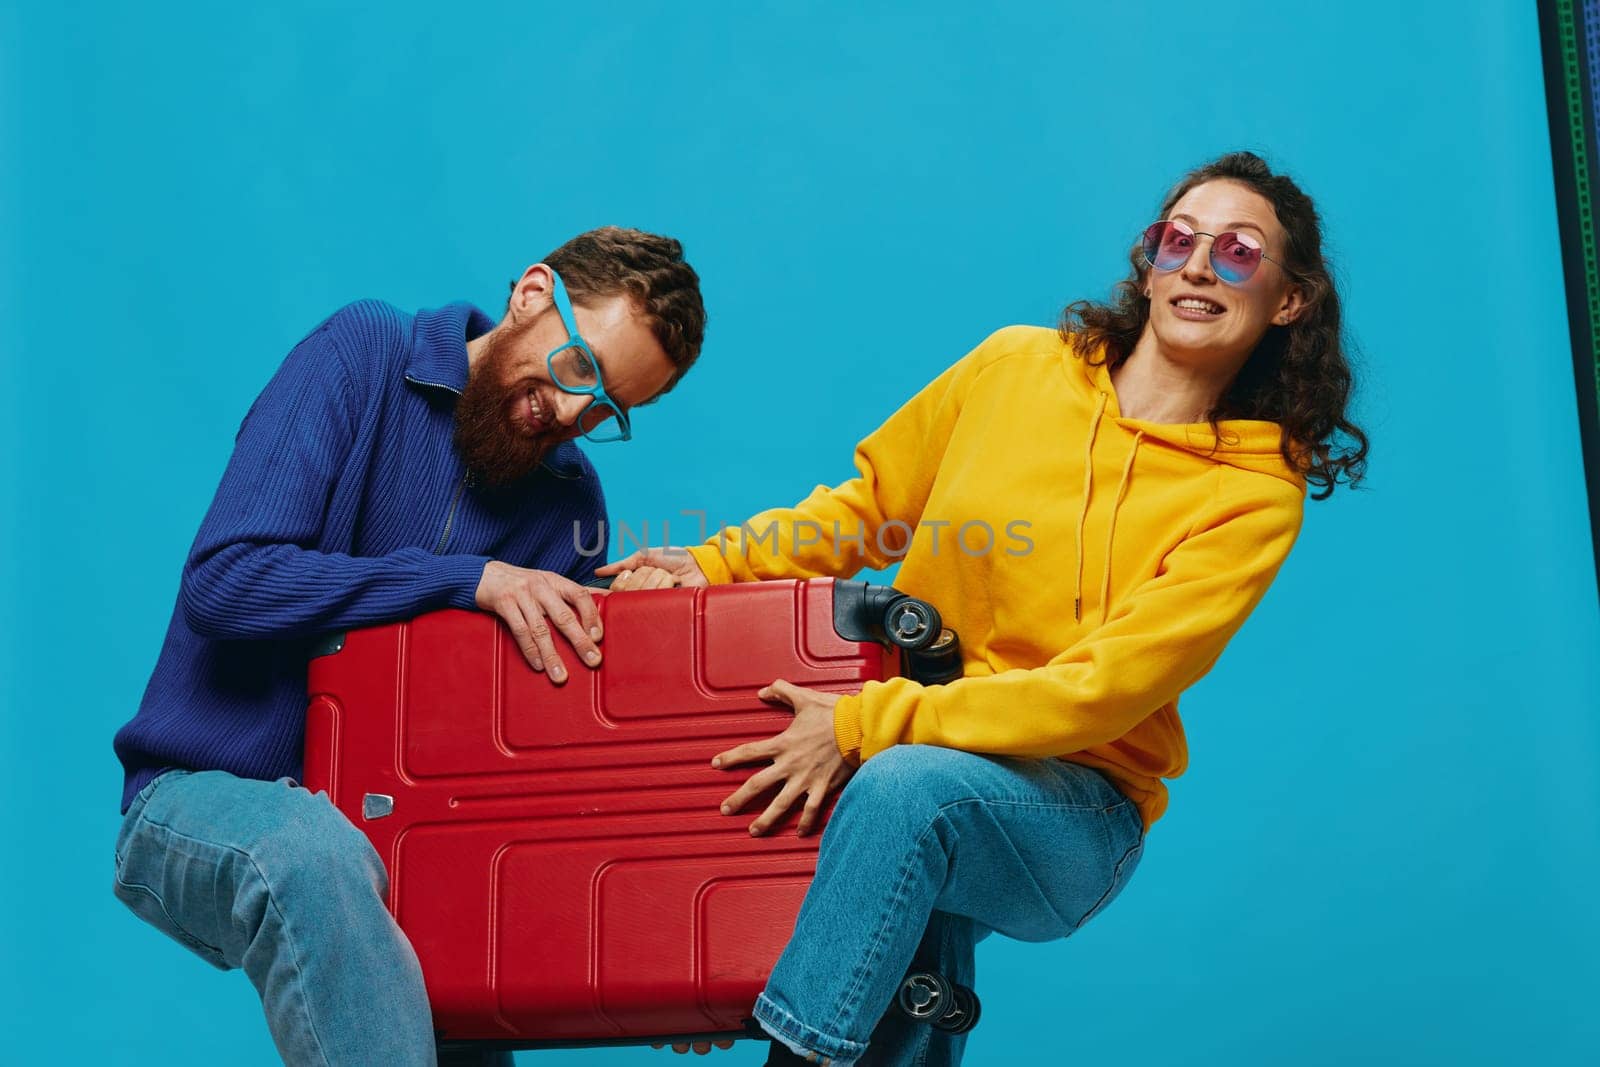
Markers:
point(1567, 25)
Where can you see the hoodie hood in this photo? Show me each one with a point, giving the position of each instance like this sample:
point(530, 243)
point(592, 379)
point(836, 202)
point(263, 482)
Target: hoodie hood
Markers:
point(1248, 444)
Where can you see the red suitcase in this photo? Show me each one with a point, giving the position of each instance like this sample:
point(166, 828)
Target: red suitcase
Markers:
point(555, 854)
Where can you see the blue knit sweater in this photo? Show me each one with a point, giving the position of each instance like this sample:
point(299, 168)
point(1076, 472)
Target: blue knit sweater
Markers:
point(344, 505)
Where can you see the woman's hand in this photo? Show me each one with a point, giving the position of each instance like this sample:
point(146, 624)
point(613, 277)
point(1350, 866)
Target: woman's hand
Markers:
point(675, 561)
point(531, 603)
point(643, 578)
point(805, 757)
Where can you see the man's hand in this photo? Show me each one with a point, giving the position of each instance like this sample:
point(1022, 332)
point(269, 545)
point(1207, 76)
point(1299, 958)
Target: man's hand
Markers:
point(700, 1047)
point(675, 561)
point(531, 602)
point(805, 757)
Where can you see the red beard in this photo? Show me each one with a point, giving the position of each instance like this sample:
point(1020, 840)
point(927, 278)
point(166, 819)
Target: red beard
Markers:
point(487, 436)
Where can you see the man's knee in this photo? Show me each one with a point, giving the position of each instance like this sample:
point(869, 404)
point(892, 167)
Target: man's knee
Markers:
point(307, 870)
point(312, 847)
point(211, 858)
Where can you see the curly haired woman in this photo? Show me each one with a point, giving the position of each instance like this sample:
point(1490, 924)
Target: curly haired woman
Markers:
point(1096, 510)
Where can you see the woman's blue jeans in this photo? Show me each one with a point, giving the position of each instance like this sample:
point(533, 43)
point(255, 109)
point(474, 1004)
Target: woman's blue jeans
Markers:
point(928, 851)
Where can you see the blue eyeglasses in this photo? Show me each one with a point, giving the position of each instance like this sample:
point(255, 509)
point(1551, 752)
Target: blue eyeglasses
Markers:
point(574, 369)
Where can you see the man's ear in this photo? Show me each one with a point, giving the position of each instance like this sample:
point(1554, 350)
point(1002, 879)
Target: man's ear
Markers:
point(532, 292)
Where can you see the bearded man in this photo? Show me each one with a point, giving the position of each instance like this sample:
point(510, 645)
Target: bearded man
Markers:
point(395, 464)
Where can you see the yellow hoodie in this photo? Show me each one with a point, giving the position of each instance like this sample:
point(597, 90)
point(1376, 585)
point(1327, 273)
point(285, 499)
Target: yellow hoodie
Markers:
point(1120, 560)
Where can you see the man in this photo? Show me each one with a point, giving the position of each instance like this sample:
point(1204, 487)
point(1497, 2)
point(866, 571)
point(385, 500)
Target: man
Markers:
point(394, 465)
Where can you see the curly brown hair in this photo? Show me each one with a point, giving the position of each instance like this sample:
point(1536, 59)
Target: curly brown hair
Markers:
point(613, 260)
point(1298, 376)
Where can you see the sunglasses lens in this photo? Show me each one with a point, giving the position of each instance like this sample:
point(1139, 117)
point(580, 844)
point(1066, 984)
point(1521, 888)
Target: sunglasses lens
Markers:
point(1167, 245)
point(1235, 257)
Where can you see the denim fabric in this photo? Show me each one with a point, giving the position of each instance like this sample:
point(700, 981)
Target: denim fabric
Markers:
point(928, 851)
point(269, 877)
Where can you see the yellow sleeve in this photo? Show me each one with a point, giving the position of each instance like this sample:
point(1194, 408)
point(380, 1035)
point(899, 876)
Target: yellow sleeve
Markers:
point(868, 520)
point(1157, 642)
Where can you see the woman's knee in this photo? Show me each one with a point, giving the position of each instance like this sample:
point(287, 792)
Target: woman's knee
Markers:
point(909, 783)
point(946, 772)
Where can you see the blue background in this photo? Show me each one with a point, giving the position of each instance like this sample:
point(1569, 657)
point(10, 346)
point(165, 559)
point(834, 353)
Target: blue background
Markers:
point(1386, 849)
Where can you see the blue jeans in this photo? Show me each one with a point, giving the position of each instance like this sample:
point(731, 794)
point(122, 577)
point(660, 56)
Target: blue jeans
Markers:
point(928, 851)
point(272, 878)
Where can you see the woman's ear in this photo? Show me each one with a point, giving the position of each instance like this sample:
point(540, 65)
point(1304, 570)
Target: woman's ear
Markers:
point(1293, 306)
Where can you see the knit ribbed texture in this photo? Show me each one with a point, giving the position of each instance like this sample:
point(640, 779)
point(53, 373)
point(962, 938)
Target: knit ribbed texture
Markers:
point(344, 505)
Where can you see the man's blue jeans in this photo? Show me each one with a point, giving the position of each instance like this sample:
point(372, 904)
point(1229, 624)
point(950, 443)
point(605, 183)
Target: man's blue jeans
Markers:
point(273, 879)
point(928, 851)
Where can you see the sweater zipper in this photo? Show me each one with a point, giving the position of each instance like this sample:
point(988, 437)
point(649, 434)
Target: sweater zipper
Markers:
point(444, 537)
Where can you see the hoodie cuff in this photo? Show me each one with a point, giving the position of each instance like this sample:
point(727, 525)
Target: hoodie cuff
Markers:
point(711, 564)
point(847, 728)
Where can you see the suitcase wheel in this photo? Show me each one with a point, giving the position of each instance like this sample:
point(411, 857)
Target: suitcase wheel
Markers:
point(962, 1014)
point(912, 623)
point(924, 994)
point(930, 997)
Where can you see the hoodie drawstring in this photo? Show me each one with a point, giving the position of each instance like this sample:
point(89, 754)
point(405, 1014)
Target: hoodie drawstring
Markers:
point(1116, 502)
point(1083, 511)
point(1083, 514)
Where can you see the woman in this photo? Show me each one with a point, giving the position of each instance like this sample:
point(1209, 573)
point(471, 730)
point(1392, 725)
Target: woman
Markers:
point(1140, 474)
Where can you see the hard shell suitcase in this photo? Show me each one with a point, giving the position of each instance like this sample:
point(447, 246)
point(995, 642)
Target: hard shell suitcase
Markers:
point(555, 853)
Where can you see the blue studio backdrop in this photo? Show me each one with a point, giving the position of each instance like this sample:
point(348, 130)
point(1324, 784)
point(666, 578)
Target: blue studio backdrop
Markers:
point(1386, 848)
